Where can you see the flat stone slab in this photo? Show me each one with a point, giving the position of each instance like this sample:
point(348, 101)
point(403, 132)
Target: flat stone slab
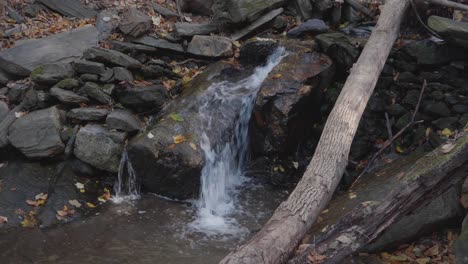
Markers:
point(69, 8)
point(63, 47)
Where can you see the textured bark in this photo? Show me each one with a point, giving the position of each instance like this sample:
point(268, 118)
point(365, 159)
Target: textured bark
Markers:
point(290, 222)
point(429, 177)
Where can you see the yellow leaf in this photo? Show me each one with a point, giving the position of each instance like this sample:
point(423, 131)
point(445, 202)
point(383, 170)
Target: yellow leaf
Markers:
point(82, 190)
point(90, 205)
point(179, 139)
point(447, 132)
point(75, 203)
point(399, 149)
point(41, 196)
point(29, 221)
point(193, 146)
point(277, 76)
point(281, 168)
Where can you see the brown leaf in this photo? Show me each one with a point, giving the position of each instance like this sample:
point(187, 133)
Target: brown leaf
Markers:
point(3, 219)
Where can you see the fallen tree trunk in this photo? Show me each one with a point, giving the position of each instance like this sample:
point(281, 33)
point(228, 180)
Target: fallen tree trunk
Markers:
point(429, 177)
point(293, 218)
point(450, 4)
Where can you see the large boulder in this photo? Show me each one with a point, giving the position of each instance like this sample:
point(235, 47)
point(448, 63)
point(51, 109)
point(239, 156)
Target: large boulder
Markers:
point(289, 99)
point(210, 46)
point(167, 157)
point(63, 47)
point(454, 31)
point(99, 147)
point(242, 11)
point(52, 73)
point(37, 134)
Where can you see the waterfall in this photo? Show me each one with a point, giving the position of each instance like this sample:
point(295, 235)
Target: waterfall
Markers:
point(225, 156)
point(126, 187)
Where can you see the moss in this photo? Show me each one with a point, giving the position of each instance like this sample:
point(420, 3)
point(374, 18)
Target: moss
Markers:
point(68, 83)
point(37, 71)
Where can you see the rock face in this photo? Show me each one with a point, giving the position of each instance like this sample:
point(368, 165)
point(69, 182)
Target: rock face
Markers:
point(70, 8)
point(288, 99)
point(143, 98)
point(63, 47)
point(178, 166)
point(242, 11)
point(135, 23)
point(111, 57)
point(454, 31)
point(37, 134)
point(210, 46)
point(123, 120)
point(99, 147)
point(52, 73)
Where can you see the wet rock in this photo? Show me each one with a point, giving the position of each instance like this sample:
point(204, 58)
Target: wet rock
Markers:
point(89, 77)
point(99, 147)
point(155, 71)
point(256, 51)
point(438, 109)
point(4, 109)
point(70, 8)
point(257, 24)
point(123, 120)
point(68, 84)
point(4, 77)
point(88, 113)
point(37, 134)
point(242, 11)
point(159, 43)
point(460, 109)
point(131, 48)
point(17, 92)
point(304, 8)
point(445, 122)
point(83, 66)
point(210, 46)
point(280, 23)
point(63, 47)
point(111, 57)
point(461, 245)
point(67, 97)
point(311, 26)
point(135, 23)
point(143, 98)
point(108, 76)
point(289, 96)
point(429, 53)
point(202, 7)
point(396, 110)
point(95, 92)
point(183, 29)
point(340, 48)
point(14, 15)
point(122, 74)
point(165, 12)
point(412, 97)
point(52, 73)
point(454, 31)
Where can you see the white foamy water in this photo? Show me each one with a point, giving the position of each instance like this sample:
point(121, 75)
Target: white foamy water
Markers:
point(225, 155)
point(126, 187)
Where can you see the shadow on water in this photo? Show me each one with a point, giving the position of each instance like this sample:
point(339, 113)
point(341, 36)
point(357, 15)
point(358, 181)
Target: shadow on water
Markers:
point(150, 230)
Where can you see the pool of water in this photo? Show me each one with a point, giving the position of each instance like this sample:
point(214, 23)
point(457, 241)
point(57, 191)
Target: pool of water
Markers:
point(150, 230)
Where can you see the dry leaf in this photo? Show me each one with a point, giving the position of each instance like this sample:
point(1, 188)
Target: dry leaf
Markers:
point(277, 76)
point(179, 139)
point(75, 203)
point(3, 219)
point(193, 146)
point(90, 205)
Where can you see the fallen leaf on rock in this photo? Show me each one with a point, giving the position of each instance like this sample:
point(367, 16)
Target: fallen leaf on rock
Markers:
point(150, 136)
point(106, 196)
point(447, 132)
point(314, 257)
point(3, 219)
point(193, 146)
point(179, 139)
point(90, 205)
point(19, 114)
point(79, 185)
point(29, 220)
point(295, 165)
point(277, 76)
point(75, 203)
point(446, 148)
point(41, 196)
point(352, 195)
point(64, 213)
point(176, 117)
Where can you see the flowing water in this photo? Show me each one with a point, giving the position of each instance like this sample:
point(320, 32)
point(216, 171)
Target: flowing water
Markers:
point(126, 187)
point(225, 162)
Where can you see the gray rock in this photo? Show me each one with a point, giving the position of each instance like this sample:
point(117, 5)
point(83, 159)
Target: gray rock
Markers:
point(131, 48)
point(143, 98)
point(159, 43)
point(67, 97)
point(242, 11)
point(4, 109)
point(83, 66)
point(122, 74)
point(340, 48)
point(461, 245)
point(70, 8)
point(396, 110)
point(123, 120)
point(155, 71)
point(280, 23)
point(63, 47)
point(165, 12)
point(89, 77)
point(183, 29)
point(438, 109)
point(37, 134)
point(106, 22)
point(304, 8)
point(111, 57)
point(4, 77)
point(460, 109)
point(14, 15)
point(454, 31)
point(256, 51)
point(429, 53)
point(201, 7)
point(257, 24)
point(88, 113)
point(210, 46)
point(99, 147)
point(95, 92)
point(17, 92)
point(446, 122)
point(52, 73)
point(108, 76)
point(463, 120)
point(135, 23)
point(311, 26)
point(108, 89)
point(68, 84)
point(32, 10)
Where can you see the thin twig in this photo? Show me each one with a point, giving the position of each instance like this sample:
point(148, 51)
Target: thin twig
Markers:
point(181, 17)
point(415, 11)
point(389, 131)
point(388, 142)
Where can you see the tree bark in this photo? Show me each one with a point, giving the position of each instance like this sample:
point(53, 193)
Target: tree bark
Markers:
point(293, 218)
point(428, 178)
